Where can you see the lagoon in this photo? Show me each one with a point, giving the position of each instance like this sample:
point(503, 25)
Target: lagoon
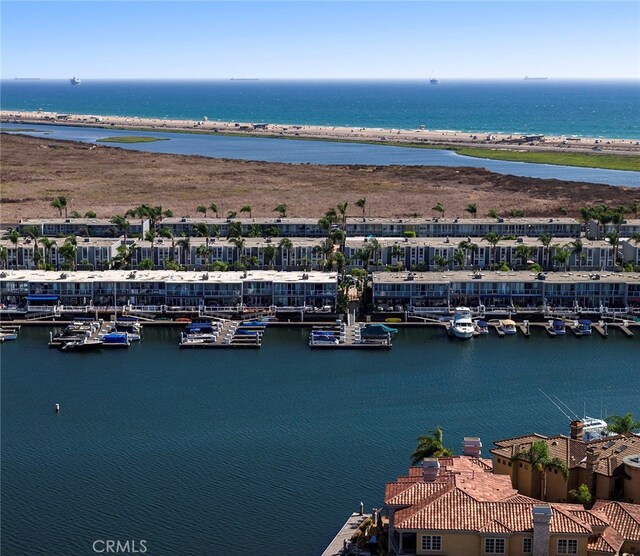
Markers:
point(191, 450)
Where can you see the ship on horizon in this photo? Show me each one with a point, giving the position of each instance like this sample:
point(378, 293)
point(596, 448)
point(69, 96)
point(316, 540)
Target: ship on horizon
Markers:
point(433, 81)
point(26, 79)
point(245, 79)
point(74, 81)
point(527, 78)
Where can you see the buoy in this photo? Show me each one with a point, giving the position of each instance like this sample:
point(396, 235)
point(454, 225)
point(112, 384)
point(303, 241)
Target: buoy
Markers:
point(57, 408)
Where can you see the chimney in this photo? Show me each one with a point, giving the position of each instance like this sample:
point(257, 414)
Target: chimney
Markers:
point(591, 464)
point(541, 529)
point(472, 446)
point(576, 428)
point(430, 469)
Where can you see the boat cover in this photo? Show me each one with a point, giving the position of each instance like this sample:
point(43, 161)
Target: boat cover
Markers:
point(482, 323)
point(585, 322)
point(378, 330)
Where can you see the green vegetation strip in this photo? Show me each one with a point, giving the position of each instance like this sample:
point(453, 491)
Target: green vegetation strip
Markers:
point(586, 160)
point(131, 139)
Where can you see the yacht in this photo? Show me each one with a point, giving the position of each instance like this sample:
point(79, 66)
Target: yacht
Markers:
point(462, 326)
point(508, 327)
point(74, 80)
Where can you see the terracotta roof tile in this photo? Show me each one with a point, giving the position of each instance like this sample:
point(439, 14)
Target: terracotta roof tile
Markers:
point(572, 452)
point(609, 542)
point(623, 517)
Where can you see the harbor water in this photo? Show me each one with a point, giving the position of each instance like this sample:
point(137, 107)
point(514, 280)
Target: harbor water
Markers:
point(265, 451)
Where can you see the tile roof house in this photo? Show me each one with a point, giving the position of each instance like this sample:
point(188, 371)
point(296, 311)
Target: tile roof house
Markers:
point(609, 466)
point(457, 506)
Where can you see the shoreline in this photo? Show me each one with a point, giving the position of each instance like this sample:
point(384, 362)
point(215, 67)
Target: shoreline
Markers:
point(446, 139)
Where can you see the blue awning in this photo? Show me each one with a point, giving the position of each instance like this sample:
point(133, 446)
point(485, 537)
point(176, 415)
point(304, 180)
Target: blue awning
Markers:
point(43, 297)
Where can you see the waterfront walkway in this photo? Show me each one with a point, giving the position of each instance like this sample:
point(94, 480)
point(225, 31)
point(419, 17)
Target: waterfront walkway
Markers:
point(337, 545)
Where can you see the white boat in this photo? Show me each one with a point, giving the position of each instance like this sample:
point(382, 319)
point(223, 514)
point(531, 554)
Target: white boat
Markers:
point(557, 327)
point(508, 327)
point(462, 326)
point(74, 81)
point(594, 429)
point(7, 335)
point(482, 327)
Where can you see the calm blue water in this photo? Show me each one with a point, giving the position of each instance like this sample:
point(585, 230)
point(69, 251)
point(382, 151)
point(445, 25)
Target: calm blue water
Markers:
point(324, 152)
point(587, 108)
point(266, 452)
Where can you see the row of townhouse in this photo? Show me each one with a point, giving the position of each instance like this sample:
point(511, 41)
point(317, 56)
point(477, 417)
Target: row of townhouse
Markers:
point(309, 227)
point(24, 289)
point(92, 227)
point(432, 253)
point(629, 228)
point(410, 253)
point(413, 291)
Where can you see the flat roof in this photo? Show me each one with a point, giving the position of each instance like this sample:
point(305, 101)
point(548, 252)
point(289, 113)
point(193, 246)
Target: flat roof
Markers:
point(167, 276)
point(506, 277)
point(454, 242)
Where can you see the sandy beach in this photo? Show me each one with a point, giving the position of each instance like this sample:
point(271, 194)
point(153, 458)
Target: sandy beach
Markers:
point(399, 136)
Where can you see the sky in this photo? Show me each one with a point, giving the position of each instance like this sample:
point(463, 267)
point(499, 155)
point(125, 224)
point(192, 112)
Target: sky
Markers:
point(330, 39)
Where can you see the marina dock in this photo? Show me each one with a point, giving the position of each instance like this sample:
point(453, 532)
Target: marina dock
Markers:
point(222, 334)
point(337, 547)
point(351, 336)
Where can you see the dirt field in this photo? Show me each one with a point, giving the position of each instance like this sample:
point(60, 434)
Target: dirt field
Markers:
point(109, 180)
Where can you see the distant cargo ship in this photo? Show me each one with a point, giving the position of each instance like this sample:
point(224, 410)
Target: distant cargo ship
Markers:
point(245, 79)
point(74, 81)
point(26, 79)
point(433, 81)
point(527, 78)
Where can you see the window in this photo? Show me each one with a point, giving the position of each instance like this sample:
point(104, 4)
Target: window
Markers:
point(494, 546)
point(527, 546)
point(567, 546)
point(431, 542)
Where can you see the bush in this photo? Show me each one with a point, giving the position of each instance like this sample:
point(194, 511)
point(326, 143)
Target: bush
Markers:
point(409, 233)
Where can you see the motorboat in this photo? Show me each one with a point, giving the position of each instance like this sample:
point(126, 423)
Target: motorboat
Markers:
point(115, 339)
point(582, 327)
point(82, 344)
point(508, 327)
point(482, 327)
point(558, 327)
point(462, 325)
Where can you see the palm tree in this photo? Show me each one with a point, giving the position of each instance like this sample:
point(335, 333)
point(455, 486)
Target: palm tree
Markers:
point(467, 245)
point(202, 230)
point(247, 208)
point(234, 230)
point(398, 252)
point(13, 237)
point(538, 456)
point(47, 244)
point(214, 208)
point(202, 209)
point(577, 248)
point(232, 214)
point(33, 233)
point(361, 204)
point(3, 257)
point(185, 248)
point(122, 224)
point(285, 245)
point(68, 252)
point(472, 209)
point(364, 255)
point(342, 209)
point(269, 255)
point(430, 446)
point(282, 209)
point(493, 239)
point(331, 215)
point(460, 258)
point(440, 262)
point(525, 252)
point(622, 424)
point(60, 203)
point(634, 208)
point(561, 256)
point(204, 252)
point(439, 208)
point(546, 240)
point(125, 254)
point(614, 240)
point(375, 246)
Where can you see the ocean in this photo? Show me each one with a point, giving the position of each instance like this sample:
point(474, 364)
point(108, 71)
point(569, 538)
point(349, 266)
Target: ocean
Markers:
point(269, 451)
point(552, 107)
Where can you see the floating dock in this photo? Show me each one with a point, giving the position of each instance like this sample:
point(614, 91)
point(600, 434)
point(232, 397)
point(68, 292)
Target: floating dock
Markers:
point(224, 334)
point(347, 336)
